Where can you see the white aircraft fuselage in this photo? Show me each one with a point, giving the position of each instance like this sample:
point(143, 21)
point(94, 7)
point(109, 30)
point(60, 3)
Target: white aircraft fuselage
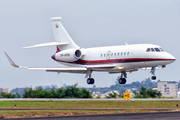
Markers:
point(125, 57)
point(112, 59)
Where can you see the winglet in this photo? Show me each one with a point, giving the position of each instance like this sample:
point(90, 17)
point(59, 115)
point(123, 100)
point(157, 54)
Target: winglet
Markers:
point(12, 62)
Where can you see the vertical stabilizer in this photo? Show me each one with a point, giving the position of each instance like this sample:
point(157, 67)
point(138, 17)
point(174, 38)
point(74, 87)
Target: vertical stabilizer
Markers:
point(61, 35)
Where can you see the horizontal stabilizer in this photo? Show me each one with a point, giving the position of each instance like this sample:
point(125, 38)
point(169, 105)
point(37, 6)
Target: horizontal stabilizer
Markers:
point(48, 44)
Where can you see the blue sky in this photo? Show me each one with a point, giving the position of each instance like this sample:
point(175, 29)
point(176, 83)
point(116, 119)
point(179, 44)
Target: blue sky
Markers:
point(90, 23)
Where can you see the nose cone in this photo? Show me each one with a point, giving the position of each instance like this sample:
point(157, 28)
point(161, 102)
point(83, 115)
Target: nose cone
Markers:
point(53, 57)
point(171, 58)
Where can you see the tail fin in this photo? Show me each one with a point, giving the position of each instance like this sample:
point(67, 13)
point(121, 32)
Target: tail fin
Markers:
point(63, 40)
point(61, 34)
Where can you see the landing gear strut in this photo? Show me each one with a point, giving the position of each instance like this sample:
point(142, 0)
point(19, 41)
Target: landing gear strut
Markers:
point(122, 80)
point(90, 80)
point(153, 72)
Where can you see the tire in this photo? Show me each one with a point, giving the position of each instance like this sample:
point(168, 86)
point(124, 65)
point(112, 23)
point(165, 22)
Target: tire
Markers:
point(92, 80)
point(124, 81)
point(153, 77)
point(88, 81)
point(120, 80)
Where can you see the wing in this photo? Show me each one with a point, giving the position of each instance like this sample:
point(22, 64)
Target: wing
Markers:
point(86, 70)
point(70, 70)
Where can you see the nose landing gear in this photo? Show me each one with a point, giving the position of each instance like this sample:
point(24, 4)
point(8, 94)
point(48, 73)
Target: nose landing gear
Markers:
point(153, 72)
point(153, 77)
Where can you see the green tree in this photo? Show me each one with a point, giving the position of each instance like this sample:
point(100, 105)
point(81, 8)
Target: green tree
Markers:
point(9, 95)
point(147, 93)
point(112, 95)
point(71, 91)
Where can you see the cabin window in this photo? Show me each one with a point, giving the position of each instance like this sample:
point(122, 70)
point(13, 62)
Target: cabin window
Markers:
point(124, 53)
point(157, 49)
point(118, 54)
point(111, 54)
point(121, 53)
point(152, 49)
point(104, 55)
point(128, 53)
point(114, 54)
point(101, 55)
point(148, 50)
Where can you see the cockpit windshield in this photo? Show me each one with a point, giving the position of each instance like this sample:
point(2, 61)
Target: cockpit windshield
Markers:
point(154, 50)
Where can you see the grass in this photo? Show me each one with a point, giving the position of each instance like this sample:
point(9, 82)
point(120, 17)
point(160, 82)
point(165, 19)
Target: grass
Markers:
point(77, 104)
point(89, 104)
point(45, 113)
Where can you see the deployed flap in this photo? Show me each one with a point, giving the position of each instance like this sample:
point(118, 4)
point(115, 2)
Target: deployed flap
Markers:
point(68, 70)
point(157, 68)
point(100, 66)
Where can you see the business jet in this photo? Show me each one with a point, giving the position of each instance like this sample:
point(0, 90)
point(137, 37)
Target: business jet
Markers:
point(112, 59)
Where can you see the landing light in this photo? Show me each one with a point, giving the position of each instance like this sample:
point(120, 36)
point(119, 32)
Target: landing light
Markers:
point(121, 67)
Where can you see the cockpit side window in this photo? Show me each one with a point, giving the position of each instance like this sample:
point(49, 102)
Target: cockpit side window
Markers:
point(148, 50)
point(152, 49)
point(161, 49)
point(157, 49)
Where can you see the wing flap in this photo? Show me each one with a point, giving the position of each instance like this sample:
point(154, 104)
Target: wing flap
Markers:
point(68, 70)
point(100, 66)
point(157, 68)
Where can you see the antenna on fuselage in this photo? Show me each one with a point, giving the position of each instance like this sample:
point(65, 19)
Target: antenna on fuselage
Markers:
point(126, 43)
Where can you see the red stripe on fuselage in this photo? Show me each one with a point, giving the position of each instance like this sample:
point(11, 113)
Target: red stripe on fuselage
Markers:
point(126, 60)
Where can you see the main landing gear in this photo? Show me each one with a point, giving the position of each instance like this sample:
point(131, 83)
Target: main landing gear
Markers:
point(153, 72)
point(90, 80)
point(122, 79)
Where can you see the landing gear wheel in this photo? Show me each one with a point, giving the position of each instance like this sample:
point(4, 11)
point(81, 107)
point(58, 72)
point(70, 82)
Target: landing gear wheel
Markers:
point(153, 77)
point(122, 81)
point(90, 81)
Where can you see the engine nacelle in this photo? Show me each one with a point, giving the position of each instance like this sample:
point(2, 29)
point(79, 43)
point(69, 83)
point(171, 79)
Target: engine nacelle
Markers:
point(69, 55)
